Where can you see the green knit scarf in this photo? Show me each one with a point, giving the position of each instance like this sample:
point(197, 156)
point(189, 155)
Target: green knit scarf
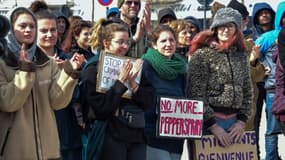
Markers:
point(166, 68)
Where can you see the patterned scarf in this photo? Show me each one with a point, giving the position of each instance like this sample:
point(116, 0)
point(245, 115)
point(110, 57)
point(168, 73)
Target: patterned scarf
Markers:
point(166, 68)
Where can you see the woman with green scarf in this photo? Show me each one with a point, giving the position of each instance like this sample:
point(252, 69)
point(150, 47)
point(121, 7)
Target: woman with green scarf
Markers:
point(165, 70)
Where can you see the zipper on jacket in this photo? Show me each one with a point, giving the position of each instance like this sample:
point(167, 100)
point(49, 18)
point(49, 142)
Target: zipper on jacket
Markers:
point(36, 132)
point(12, 115)
point(5, 141)
point(232, 74)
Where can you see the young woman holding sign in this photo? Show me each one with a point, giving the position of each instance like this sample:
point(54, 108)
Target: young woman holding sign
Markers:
point(166, 72)
point(124, 138)
point(218, 75)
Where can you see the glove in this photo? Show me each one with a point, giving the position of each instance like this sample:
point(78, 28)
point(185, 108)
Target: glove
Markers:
point(236, 131)
point(221, 135)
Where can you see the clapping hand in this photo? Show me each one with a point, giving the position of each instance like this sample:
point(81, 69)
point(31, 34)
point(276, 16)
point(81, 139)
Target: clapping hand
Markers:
point(147, 17)
point(24, 56)
point(58, 61)
point(124, 71)
point(76, 61)
point(255, 53)
point(135, 69)
point(144, 24)
point(134, 73)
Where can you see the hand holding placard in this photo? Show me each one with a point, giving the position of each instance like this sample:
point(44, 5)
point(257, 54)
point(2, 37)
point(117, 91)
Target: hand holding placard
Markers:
point(113, 67)
point(236, 131)
point(221, 135)
point(134, 73)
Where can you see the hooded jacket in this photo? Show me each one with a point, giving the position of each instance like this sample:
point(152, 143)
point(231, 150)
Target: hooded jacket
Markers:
point(30, 91)
point(267, 42)
point(269, 38)
point(256, 8)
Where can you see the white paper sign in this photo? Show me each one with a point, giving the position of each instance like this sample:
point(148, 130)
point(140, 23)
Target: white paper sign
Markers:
point(109, 70)
point(180, 118)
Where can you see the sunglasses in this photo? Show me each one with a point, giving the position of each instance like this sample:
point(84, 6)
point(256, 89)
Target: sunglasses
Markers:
point(129, 3)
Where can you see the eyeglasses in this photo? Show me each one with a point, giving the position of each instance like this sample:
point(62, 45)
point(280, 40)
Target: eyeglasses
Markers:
point(121, 42)
point(129, 3)
point(229, 26)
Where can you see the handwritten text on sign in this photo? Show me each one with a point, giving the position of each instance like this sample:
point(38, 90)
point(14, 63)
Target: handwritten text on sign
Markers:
point(109, 71)
point(180, 118)
point(209, 148)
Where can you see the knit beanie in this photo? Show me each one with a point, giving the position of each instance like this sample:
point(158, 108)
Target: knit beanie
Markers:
point(239, 7)
point(226, 15)
point(120, 3)
point(194, 21)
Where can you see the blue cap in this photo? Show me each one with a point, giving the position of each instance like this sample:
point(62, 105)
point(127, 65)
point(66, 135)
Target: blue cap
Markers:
point(112, 10)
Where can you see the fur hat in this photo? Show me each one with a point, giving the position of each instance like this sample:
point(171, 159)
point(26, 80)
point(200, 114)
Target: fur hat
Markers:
point(239, 7)
point(226, 15)
point(120, 3)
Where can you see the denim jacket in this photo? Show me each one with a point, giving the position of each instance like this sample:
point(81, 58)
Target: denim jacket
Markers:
point(267, 61)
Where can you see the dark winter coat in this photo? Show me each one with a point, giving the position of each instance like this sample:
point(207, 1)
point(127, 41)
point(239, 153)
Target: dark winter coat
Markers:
point(106, 104)
point(278, 106)
point(172, 88)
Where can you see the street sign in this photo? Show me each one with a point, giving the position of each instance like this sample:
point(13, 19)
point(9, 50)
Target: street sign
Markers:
point(105, 2)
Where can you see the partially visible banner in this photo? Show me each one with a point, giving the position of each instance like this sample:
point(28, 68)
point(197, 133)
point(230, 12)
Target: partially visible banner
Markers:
point(208, 148)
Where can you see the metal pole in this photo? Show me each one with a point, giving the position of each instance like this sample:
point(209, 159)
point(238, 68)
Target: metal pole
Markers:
point(93, 8)
point(205, 16)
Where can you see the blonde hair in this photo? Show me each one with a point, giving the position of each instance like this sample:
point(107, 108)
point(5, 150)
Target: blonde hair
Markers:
point(178, 26)
point(104, 30)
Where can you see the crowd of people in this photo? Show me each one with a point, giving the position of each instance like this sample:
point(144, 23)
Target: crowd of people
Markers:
point(51, 108)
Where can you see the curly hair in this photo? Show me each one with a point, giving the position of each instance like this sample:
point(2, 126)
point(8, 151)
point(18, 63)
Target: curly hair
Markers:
point(75, 30)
